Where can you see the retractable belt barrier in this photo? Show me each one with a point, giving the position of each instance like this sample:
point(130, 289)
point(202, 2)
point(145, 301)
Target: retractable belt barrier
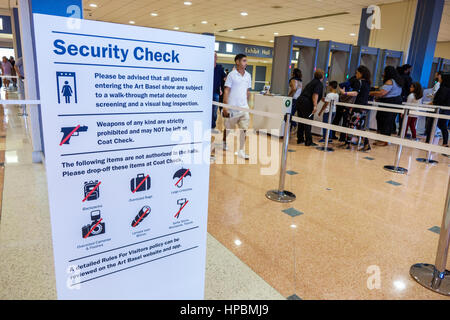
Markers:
point(431, 111)
point(434, 277)
point(246, 109)
point(425, 105)
point(359, 106)
point(375, 136)
point(430, 115)
point(354, 132)
point(31, 102)
point(403, 106)
point(282, 195)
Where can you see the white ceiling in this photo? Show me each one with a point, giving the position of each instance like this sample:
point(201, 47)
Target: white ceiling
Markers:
point(225, 15)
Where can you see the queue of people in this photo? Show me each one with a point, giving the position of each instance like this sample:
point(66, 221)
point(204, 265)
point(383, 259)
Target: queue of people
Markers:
point(398, 87)
point(9, 73)
point(308, 100)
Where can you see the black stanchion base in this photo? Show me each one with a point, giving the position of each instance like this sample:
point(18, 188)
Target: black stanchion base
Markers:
point(395, 169)
point(325, 149)
point(280, 196)
point(424, 160)
point(427, 275)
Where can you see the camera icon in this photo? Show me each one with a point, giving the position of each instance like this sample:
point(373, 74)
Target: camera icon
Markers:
point(95, 228)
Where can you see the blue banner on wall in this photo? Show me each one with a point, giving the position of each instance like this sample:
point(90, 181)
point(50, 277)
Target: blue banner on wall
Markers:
point(62, 8)
point(6, 25)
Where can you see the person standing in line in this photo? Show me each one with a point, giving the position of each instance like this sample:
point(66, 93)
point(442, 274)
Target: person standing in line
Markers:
point(307, 106)
point(358, 118)
point(405, 74)
point(415, 97)
point(18, 67)
point(13, 71)
point(390, 92)
point(295, 89)
point(407, 81)
point(219, 75)
point(332, 96)
point(237, 94)
point(6, 72)
point(342, 112)
point(436, 87)
point(442, 98)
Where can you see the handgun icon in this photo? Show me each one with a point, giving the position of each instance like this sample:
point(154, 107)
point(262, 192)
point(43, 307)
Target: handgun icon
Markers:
point(69, 132)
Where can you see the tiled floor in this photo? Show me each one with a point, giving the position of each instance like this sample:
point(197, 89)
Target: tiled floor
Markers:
point(353, 224)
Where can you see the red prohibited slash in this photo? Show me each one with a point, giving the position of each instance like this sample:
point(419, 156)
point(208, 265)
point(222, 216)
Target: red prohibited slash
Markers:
point(143, 215)
point(178, 213)
point(93, 228)
point(140, 184)
point(184, 175)
point(92, 191)
point(63, 141)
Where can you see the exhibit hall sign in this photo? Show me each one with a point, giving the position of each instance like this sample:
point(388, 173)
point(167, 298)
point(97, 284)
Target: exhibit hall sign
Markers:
point(126, 115)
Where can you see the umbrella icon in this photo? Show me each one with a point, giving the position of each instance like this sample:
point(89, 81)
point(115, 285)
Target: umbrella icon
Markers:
point(180, 174)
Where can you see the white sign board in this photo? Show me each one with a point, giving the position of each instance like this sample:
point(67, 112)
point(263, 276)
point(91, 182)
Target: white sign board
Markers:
point(126, 115)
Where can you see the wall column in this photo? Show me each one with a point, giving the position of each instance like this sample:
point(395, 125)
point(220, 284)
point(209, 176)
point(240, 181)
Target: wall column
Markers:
point(424, 37)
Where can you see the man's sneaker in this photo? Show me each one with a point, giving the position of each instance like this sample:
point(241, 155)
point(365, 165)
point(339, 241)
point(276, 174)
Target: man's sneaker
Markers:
point(322, 140)
point(242, 154)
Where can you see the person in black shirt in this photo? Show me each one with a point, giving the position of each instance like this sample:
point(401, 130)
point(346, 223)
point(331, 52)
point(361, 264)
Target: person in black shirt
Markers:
point(219, 75)
point(442, 98)
point(307, 106)
point(342, 113)
point(358, 117)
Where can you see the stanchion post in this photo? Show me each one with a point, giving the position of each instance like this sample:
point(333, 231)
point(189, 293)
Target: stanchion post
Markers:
point(396, 167)
point(327, 138)
point(282, 195)
point(429, 159)
point(436, 277)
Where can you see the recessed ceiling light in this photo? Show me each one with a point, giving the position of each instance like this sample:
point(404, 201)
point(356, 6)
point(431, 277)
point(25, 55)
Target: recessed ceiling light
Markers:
point(237, 242)
point(204, 22)
point(352, 34)
point(131, 22)
point(276, 33)
point(93, 5)
point(244, 14)
point(154, 14)
point(271, 41)
point(242, 37)
point(321, 28)
point(187, 3)
point(230, 30)
point(399, 285)
point(176, 28)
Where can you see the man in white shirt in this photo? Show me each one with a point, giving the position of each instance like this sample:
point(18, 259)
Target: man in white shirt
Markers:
point(236, 94)
point(325, 108)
